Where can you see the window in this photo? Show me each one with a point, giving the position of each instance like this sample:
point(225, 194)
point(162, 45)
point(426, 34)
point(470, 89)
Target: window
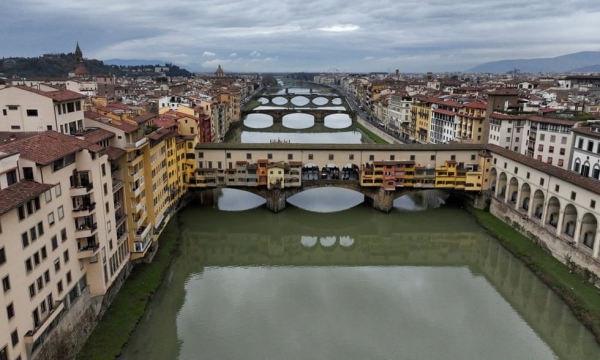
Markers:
point(200, 154)
point(542, 137)
point(28, 265)
point(36, 259)
point(40, 228)
point(31, 290)
point(310, 156)
point(63, 235)
point(542, 181)
point(351, 157)
point(14, 338)
point(66, 256)
point(10, 311)
point(105, 189)
point(103, 167)
point(61, 211)
point(590, 146)
point(290, 156)
point(580, 144)
point(54, 241)
point(6, 283)
point(24, 240)
point(432, 158)
point(556, 188)
point(47, 276)
point(59, 287)
point(51, 219)
point(229, 155)
point(21, 212)
point(593, 204)
point(69, 279)
point(516, 170)
point(11, 177)
point(412, 157)
point(40, 283)
point(473, 157)
point(107, 207)
point(330, 156)
point(371, 157)
point(2, 256)
point(573, 195)
point(32, 112)
point(562, 151)
point(248, 156)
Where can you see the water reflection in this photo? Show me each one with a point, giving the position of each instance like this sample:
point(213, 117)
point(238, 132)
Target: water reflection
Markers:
point(258, 121)
point(328, 199)
point(279, 101)
point(238, 200)
point(263, 107)
point(350, 137)
point(338, 121)
point(300, 101)
point(254, 285)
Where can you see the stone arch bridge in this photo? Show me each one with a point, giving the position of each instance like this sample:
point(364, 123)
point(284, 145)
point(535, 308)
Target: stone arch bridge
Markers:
point(311, 97)
point(318, 114)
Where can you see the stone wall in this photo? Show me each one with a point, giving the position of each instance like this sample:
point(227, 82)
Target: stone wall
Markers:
point(561, 249)
point(75, 326)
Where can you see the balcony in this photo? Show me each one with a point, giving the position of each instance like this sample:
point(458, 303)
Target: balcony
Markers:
point(32, 337)
point(118, 205)
point(84, 210)
point(119, 219)
point(117, 185)
point(87, 252)
point(142, 232)
point(81, 190)
point(86, 230)
point(121, 237)
point(141, 246)
point(136, 207)
point(135, 193)
point(136, 144)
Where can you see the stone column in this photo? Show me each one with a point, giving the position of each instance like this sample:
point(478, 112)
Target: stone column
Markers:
point(596, 244)
point(559, 223)
point(577, 230)
point(383, 200)
point(276, 200)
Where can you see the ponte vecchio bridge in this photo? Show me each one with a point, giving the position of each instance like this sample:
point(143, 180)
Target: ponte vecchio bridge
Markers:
point(332, 99)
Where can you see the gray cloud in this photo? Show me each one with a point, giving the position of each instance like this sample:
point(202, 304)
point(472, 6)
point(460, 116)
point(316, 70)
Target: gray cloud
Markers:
point(287, 35)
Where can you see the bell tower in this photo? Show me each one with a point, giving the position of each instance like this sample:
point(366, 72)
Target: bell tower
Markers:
point(78, 54)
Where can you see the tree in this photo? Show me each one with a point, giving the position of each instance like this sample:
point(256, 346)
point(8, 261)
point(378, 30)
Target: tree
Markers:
point(268, 81)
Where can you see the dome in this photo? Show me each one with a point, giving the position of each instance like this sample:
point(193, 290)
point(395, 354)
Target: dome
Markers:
point(81, 71)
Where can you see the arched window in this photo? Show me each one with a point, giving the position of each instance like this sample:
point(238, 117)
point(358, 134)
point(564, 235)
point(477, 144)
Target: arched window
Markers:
point(596, 171)
point(585, 169)
point(577, 165)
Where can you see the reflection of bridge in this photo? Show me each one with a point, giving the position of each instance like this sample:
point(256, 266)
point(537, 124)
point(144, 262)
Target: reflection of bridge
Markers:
point(315, 128)
point(318, 114)
point(532, 300)
point(331, 99)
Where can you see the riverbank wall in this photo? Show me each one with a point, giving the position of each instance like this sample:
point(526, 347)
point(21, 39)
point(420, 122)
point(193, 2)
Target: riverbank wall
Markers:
point(548, 257)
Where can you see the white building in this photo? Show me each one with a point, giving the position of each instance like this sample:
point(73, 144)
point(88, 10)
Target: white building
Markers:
point(507, 131)
point(585, 158)
point(443, 121)
point(549, 140)
point(39, 109)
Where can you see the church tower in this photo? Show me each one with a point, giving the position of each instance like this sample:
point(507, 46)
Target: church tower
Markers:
point(219, 73)
point(78, 54)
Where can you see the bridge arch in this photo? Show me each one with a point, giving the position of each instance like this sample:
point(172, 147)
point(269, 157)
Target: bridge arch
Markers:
point(309, 241)
point(538, 204)
point(300, 100)
point(513, 191)
point(300, 120)
point(525, 197)
point(327, 241)
point(589, 227)
point(279, 100)
point(552, 212)
point(320, 101)
point(569, 221)
point(337, 121)
point(263, 100)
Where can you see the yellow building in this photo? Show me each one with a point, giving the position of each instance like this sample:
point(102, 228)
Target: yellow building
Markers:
point(421, 109)
point(470, 123)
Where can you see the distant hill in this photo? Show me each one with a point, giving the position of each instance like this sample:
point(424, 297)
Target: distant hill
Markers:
point(564, 63)
point(59, 65)
point(134, 62)
point(586, 69)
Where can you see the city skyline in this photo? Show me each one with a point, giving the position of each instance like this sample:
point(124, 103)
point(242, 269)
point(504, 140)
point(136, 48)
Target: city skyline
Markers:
point(287, 36)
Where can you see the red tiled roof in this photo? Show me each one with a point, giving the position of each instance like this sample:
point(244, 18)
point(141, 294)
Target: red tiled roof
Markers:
point(144, 118)
point(501, 116)
point(94, 136)
point(163, 134)
point(114, 152)
point(48, 146)
point(20, 193)
point(58, 95)
point(547, 110)
point(476, 105)
point(445, 112)
point(552, 120)
point(126, 127)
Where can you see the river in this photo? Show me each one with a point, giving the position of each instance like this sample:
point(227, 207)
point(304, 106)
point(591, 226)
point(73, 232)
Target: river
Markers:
point(331, 278)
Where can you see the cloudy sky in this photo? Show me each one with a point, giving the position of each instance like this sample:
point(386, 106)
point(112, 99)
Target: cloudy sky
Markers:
point(307, 35)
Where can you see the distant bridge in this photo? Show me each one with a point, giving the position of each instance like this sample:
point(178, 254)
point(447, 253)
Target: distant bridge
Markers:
point(331, 99)
point(318, 114)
